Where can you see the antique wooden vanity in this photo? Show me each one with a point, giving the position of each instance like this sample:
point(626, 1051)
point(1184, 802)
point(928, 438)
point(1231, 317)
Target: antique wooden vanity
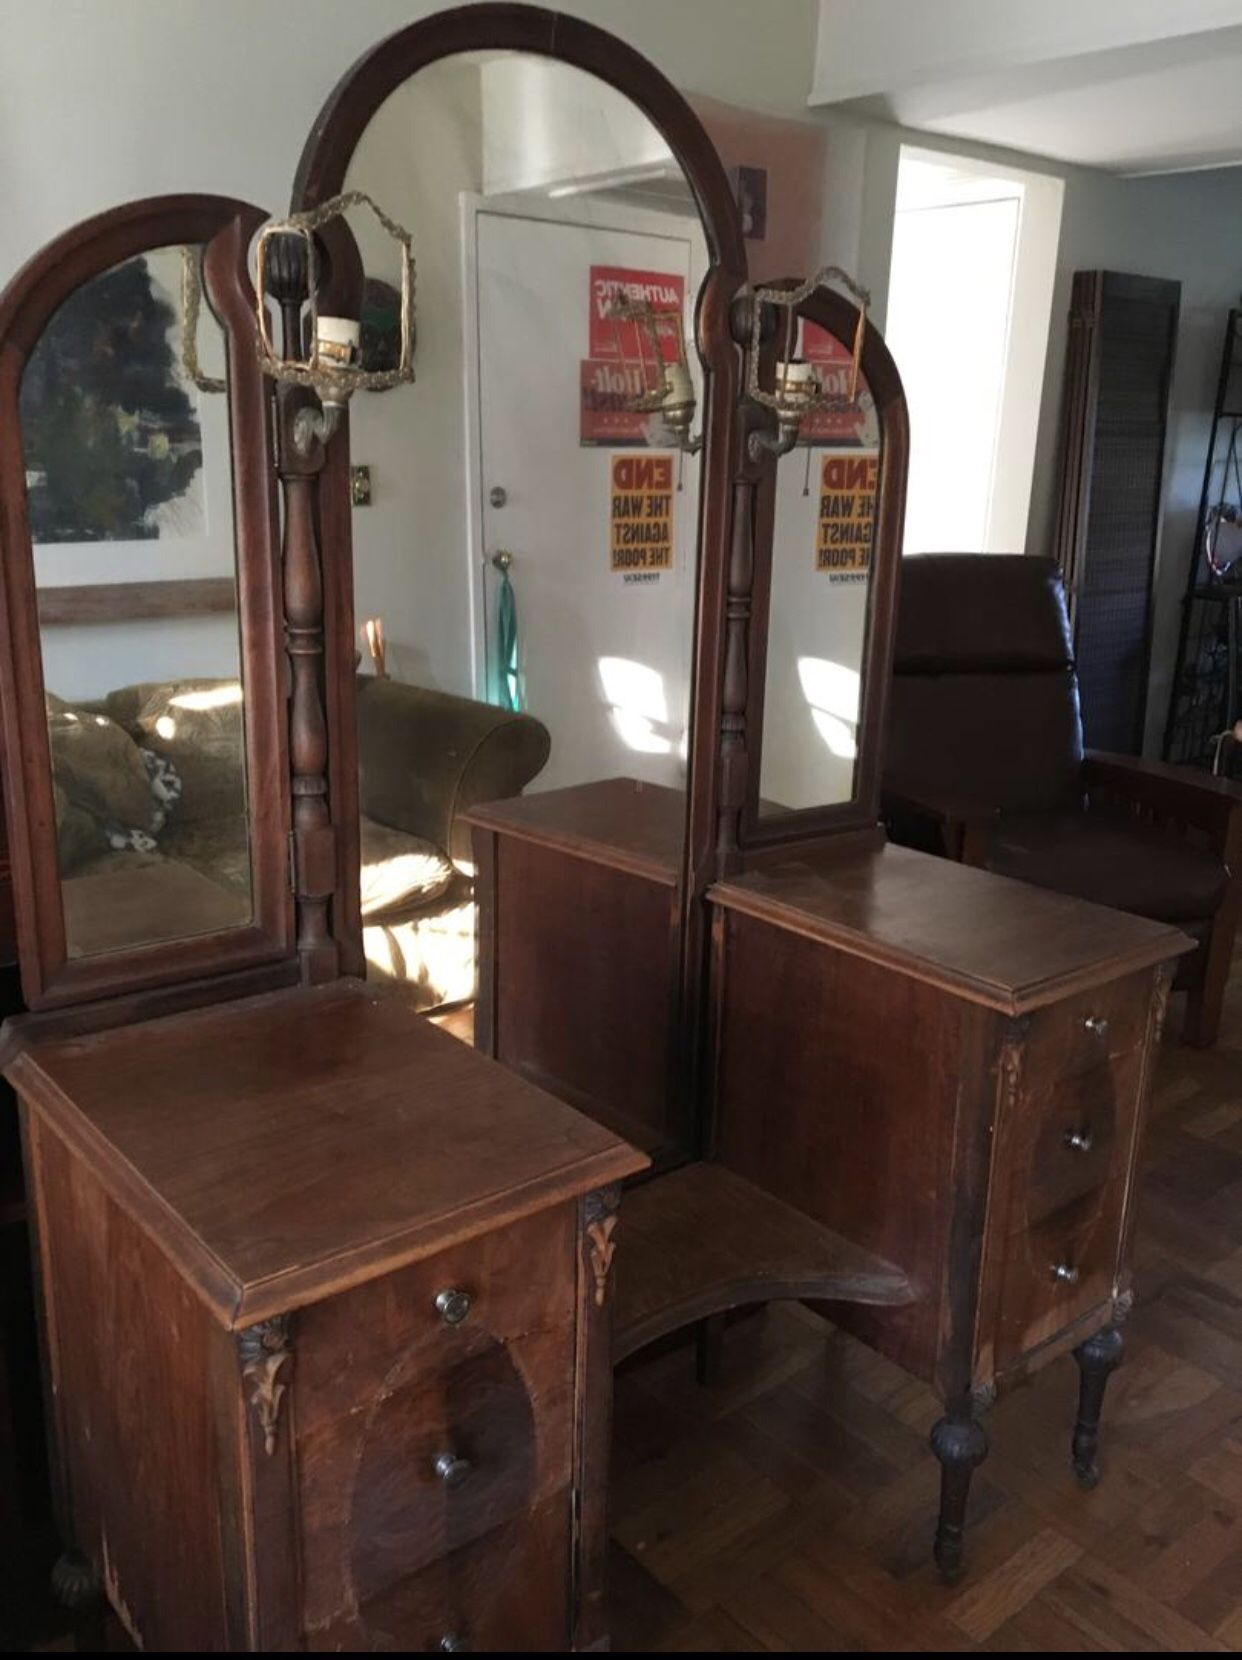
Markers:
point(329, 1299)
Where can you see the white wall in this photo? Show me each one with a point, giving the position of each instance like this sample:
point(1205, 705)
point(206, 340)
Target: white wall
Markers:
point(421, 151)
point(547, 126)
point(101, 102)
point(869, 46)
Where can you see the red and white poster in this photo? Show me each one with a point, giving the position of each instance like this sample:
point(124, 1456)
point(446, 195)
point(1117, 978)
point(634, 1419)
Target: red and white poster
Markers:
point(836, 428)
point(621, 364)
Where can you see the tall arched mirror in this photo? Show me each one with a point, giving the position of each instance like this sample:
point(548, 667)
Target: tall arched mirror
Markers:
point(525, 568)
point(828, 536)
point(139, 570)
point(129, 488)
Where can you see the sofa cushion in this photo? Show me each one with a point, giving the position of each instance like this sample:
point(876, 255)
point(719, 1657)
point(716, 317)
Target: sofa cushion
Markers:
point(198, 725)
point(400, 872)
point(101, 783)
point(98, 765)
point(1112, 860)
point(431, 951)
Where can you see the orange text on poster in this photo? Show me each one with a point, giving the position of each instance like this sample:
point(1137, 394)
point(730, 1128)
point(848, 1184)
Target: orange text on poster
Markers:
point(846, 520)
point(641, 516)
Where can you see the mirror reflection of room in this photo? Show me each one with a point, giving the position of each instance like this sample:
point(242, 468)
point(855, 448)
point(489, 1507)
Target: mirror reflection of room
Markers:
point(125, 434)
point(823, 529)
point(524, 572)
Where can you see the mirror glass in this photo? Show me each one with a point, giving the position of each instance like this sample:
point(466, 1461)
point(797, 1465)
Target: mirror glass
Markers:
point(822, 538)
point(129, 494)
point(529, 546)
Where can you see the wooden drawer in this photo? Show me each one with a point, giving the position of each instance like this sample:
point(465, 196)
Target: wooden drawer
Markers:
point(507, 1591)
point(1080, 1033)
point(1072, 1138)
point(425, 1446)
point(1057, 1270)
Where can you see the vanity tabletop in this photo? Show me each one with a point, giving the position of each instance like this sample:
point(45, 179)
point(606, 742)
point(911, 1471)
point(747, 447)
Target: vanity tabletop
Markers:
point(984, 937)
point(286, 1146)
point(622, 822)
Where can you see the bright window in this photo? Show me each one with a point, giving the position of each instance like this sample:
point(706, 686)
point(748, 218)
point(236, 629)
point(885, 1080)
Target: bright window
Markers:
point(970, 295)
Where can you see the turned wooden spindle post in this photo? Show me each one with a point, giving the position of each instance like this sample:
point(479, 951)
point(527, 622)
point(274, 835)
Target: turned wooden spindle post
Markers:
point(739, 595)
point(735, 690)
point(313, 845)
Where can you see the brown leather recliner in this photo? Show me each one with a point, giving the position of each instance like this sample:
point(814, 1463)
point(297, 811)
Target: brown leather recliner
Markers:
point(984, 762)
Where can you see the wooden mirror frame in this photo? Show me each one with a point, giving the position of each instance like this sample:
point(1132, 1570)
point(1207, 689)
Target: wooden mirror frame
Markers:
point(50, 978)
point(321, 173)
point(771, 830)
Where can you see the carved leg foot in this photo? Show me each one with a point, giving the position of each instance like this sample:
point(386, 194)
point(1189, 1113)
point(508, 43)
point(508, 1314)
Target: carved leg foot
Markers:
point(75, 1585)
point(1097, 1358)
point(960, 1444)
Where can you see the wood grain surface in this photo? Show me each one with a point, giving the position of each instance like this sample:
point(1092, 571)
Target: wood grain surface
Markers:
point(322, 1136)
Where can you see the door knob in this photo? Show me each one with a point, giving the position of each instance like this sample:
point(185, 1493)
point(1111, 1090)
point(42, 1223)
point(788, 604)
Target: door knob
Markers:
point(1064, 1273)
point(498, 495)
point(1079, 1141)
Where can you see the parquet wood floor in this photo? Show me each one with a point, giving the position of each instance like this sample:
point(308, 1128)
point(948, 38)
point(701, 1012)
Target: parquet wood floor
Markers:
point(791, 1505)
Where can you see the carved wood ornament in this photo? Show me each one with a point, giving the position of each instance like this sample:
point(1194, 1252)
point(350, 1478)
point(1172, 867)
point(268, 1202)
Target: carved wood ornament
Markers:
point(264, 1349)
point(600, 1218)
point(312, 844)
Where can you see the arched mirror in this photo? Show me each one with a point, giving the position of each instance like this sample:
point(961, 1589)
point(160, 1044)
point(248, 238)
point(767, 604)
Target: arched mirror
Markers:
point(525, 569)
point(829, 541)
point(140, 696)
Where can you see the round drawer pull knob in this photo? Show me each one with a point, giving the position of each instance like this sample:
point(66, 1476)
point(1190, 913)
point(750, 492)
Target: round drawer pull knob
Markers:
point(1079, 1141)
point(452, 1470)
point(1064, 1273)
point(1096, 1025)
point(449, 1644)
point(453, 1306)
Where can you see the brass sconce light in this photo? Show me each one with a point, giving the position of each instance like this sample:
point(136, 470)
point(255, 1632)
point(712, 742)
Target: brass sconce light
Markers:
point(796, 389)
point(329, 364)
point(670, 394)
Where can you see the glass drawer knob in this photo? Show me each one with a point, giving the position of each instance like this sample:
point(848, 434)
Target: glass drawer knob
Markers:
point(449, 1644)
point(1064, 1273)
point(452, 1470)
point(1079, 1141)
point(453, 1306)
point(1096, 1025)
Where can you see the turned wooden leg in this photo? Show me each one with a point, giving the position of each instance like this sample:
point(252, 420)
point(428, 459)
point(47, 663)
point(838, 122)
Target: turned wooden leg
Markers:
point(960, 1444)
point(1097, 1358)
point(75, 1585)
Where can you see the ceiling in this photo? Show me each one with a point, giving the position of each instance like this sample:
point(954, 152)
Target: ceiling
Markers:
point(1153, 105)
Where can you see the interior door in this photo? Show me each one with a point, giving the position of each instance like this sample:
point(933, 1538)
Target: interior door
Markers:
point(604, 646)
